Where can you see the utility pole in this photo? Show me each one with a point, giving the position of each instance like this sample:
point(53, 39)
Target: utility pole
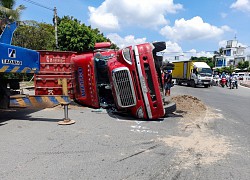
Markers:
point(55, 23)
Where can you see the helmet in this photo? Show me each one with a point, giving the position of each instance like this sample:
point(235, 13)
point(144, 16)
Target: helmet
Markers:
point(169, 71)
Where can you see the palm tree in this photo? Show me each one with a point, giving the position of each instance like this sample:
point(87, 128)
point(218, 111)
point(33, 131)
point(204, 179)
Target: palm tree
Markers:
point(8, 14)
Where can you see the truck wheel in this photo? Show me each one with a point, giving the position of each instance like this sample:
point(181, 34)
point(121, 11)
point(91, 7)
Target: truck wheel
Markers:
point(170, 107)
point(193, 84)
point(206, 85)
point(178, 82)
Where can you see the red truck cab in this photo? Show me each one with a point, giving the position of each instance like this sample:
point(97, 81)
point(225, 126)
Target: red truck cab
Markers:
point(126, 78)
point(135, 82)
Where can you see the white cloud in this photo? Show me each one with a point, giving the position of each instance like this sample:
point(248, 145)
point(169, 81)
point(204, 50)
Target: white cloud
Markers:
point(193, 29)
point(173, 51)
point(241, 5)
point(107, 20)
point(223, 15)
point(194, 53)
point(226, 28)
point(172, 47)
point(126, 41)
point(112, 14)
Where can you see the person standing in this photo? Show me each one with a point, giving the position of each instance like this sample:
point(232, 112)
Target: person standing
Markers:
point(168, 82)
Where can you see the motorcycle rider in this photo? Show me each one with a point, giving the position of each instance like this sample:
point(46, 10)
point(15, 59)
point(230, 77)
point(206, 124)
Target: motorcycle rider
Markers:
point(233, 81)
point(228, 82)
point(235, 78)
point(223, 77)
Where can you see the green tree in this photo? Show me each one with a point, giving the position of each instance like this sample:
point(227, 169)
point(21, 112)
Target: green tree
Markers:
point(34, 35)
point(246, 64)
point(229, 69)
point(74, 36)
point(243, 65)
point(8, 14)
point(240, 65)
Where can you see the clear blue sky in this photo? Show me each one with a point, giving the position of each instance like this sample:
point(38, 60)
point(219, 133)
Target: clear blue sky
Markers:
point(195, 26)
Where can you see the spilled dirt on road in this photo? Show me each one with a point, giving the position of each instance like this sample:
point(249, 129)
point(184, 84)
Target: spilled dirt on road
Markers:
point(196, 142)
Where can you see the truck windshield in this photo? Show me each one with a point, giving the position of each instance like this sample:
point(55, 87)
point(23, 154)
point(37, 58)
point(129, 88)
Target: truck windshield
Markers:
point(205, 71)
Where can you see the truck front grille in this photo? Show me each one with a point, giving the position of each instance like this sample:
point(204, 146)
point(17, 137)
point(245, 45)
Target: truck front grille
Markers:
point(124, 87)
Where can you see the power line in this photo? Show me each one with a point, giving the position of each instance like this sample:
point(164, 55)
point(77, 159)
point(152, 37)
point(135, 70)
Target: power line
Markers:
point(185, 52)
point(37, 4)
point(55, 16)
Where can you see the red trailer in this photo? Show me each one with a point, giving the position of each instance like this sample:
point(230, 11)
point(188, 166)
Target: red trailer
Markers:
point(54, 66)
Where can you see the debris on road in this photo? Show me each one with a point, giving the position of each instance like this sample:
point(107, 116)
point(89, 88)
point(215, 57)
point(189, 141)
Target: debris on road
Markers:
point(196, 143)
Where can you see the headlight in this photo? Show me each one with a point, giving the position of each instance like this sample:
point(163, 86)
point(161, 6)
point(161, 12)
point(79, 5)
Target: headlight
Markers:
point(126, 55)
point(140, 113)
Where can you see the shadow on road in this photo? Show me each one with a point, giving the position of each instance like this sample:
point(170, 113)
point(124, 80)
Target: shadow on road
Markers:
point(21, 114)
point(127, 117)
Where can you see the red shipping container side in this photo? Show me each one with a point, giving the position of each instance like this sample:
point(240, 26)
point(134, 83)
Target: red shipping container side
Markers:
point(48, 84)
point(54, 65)
point(55, 61)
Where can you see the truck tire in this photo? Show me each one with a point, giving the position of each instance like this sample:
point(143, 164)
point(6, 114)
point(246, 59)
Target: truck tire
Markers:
point(178, 82)
point(192, 83)
point(170, 107)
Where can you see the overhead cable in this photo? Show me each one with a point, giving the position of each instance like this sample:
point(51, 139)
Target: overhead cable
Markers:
point(38, 4)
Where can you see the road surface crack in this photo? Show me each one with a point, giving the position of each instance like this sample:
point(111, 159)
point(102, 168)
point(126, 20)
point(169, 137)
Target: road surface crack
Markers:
point(150, 148)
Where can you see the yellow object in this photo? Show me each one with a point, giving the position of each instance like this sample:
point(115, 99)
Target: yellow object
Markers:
point(182, 69)
point(64, 84)
point(37, 101)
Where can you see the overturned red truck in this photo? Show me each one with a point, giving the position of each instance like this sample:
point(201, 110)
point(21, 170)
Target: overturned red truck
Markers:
point(128, 79)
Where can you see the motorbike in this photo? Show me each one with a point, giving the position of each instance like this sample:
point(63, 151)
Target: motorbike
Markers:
point(223, 81)
point(233, 84)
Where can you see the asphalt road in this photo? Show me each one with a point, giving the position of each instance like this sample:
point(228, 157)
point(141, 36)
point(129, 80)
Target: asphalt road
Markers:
point(102, 145)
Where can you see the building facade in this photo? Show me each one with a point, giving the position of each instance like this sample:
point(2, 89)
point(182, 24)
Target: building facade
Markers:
point(231, 55)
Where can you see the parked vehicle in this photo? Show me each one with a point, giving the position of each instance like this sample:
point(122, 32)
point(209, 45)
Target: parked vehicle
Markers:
point(14, 60)
point(192, 73)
